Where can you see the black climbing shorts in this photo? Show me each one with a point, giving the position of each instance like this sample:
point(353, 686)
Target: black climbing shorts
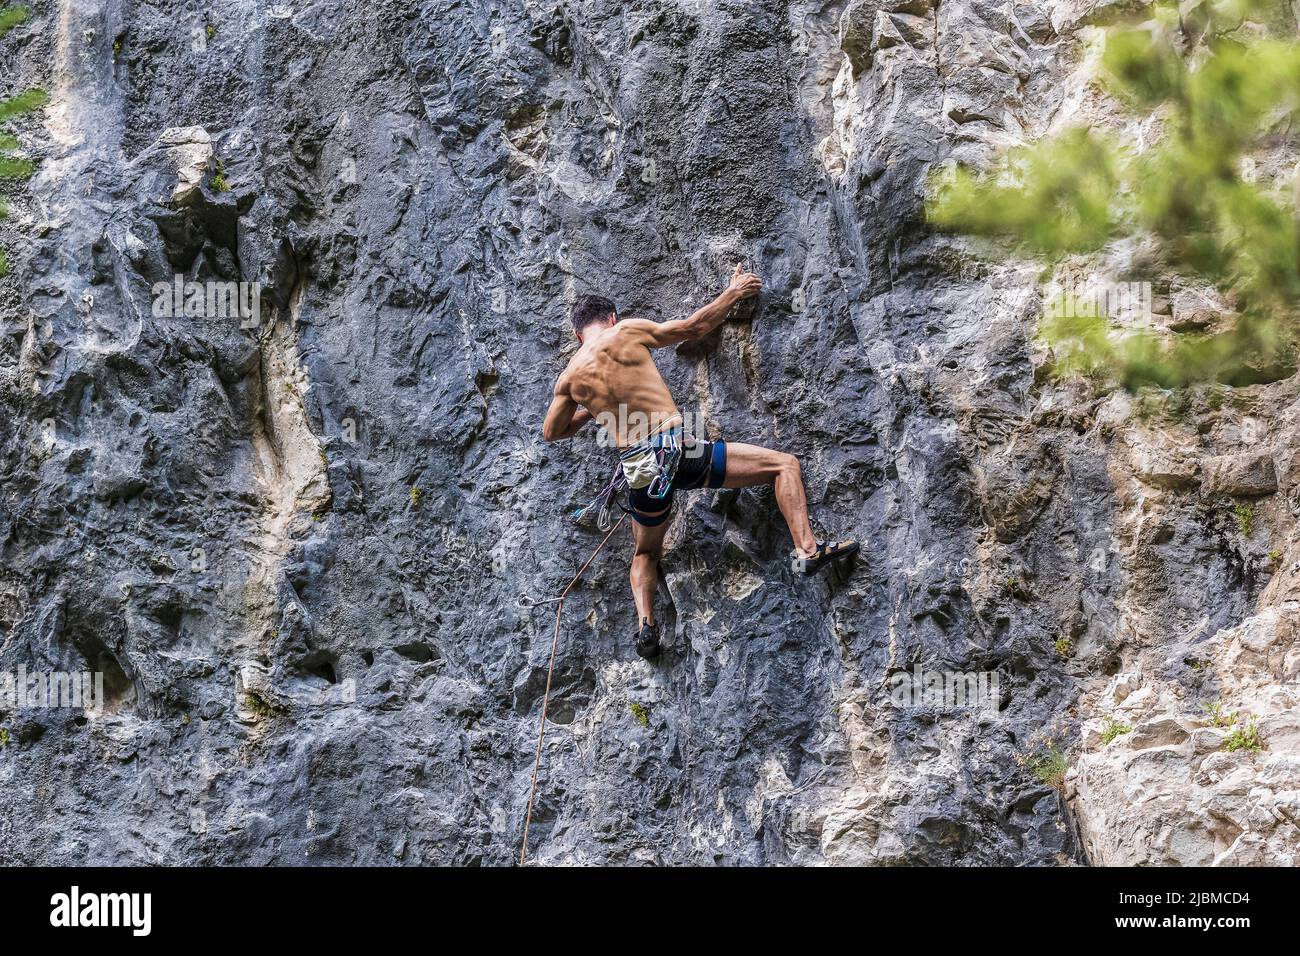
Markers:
point(703, 465)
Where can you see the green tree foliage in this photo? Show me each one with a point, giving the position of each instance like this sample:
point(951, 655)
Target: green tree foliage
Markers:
point(1222, 79)
point(12, 167)
point(10, 17)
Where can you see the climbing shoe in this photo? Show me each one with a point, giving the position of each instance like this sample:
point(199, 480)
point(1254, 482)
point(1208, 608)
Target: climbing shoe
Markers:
point(826, 553)
point(647, 640)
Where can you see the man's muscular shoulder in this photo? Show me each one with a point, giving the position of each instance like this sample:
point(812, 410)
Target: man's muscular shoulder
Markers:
point(635, 328)
point(633, 334)
point(565, 379)
point(564, 384)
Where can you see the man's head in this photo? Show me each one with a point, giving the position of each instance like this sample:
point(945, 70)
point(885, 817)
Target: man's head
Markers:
point(592, 310)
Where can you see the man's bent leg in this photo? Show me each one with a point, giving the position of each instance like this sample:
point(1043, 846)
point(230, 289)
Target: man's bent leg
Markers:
point(749, 465)
point(645, 568)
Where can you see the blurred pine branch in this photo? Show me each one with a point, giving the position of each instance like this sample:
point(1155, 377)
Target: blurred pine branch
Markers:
point(1221, 78)
point(12, 167)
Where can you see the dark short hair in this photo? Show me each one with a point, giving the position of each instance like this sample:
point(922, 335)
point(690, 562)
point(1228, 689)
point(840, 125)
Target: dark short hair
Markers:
point(589, 309)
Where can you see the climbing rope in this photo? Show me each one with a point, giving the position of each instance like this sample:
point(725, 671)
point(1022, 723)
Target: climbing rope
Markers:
point(546, 696)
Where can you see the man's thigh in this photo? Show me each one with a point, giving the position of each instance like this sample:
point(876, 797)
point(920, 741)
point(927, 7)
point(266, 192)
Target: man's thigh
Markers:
point(749, 465)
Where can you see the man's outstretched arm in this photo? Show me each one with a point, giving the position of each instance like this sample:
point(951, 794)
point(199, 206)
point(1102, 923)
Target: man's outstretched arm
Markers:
point(564, 418)
point(701, 322)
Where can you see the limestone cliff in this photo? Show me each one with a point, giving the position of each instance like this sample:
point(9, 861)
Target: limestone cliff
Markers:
point(295, 542)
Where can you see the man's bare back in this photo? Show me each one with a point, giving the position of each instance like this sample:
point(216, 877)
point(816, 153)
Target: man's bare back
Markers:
point(614, 377)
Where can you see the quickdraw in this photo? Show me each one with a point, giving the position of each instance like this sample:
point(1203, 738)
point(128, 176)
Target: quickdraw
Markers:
point(669, 456)
point(606, 500)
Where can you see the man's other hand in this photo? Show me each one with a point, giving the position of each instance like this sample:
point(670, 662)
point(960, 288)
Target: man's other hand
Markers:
point(744, 284)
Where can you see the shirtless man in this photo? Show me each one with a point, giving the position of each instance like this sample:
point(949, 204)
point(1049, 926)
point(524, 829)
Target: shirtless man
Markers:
point(613, 380)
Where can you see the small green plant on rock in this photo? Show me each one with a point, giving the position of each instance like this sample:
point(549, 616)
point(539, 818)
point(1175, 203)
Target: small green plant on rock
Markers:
point(1113, 729)
point(1219, 717)
point(1049, 768)
point(1275, 557)
point(640, 712)
point(1064, 646)
point(416, 495)
point(261, 706)
point(4, 736)
point(1245, 516)
point(1244, 737)
point(211, 31)
point(1045, 758)
point(1017, 589)
point(220, 184)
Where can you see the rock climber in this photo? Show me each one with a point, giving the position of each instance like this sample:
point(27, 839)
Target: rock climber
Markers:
point(613, 380)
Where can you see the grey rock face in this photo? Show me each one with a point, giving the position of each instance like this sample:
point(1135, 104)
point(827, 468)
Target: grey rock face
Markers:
point(1248, 474)
point(295, 538)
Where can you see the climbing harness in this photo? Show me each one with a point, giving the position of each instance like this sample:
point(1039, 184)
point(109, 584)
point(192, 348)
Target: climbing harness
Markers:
point(550, 670)
point(655, 457)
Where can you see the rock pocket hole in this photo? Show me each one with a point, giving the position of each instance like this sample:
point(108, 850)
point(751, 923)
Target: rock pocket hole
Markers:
point(320, 664)
point(418, 651)
point(326, 670)
point(118, 688)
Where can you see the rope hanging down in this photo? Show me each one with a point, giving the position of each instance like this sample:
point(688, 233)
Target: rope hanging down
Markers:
point(546, 696)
